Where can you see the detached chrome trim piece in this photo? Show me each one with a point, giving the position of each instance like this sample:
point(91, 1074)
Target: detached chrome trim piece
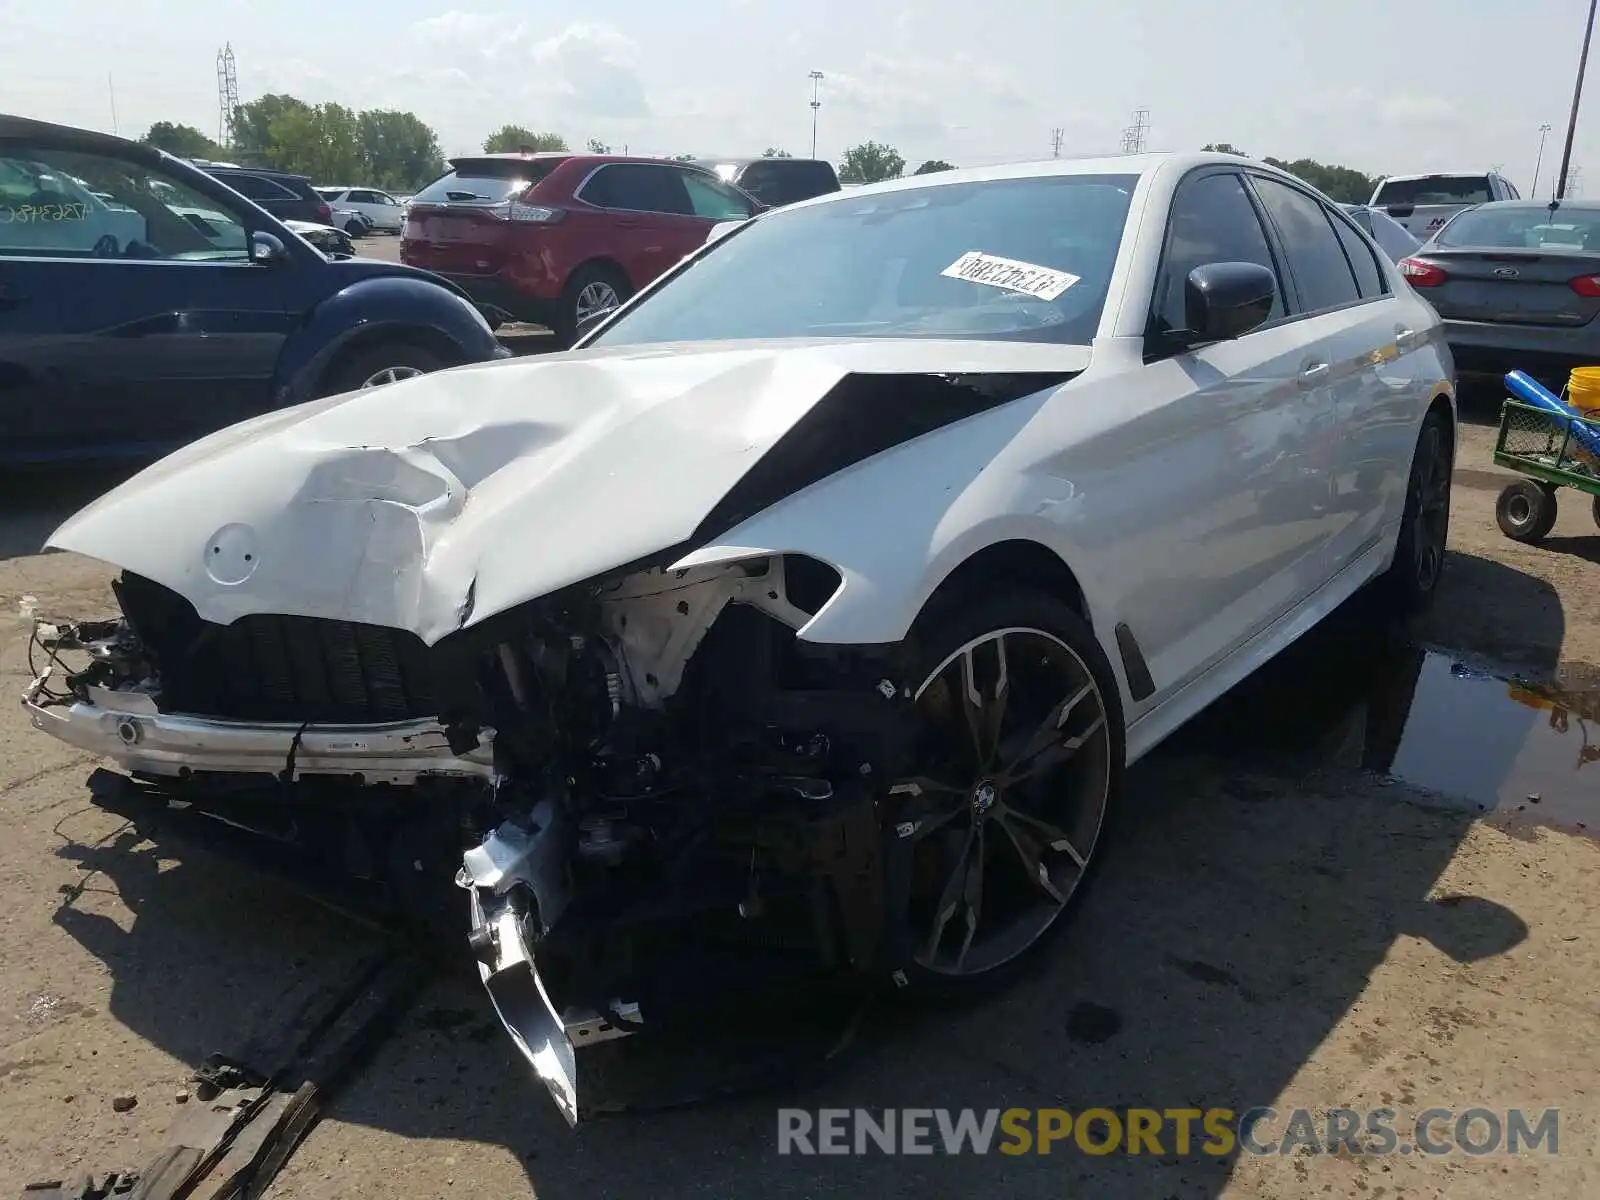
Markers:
point(127, 728)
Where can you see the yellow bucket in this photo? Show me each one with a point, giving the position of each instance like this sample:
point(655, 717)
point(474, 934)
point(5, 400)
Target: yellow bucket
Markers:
point(1583, 390)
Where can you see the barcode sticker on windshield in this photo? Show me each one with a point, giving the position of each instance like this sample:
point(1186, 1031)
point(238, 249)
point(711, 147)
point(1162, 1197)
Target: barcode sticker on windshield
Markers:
point(977, 267)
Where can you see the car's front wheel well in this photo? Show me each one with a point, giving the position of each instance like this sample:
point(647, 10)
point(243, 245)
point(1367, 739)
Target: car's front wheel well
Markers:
point(1441, 404)
point(1016, 562)
point(432, 340)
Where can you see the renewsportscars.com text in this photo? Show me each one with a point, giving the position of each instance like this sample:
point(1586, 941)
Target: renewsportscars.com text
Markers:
point(1182, 1131)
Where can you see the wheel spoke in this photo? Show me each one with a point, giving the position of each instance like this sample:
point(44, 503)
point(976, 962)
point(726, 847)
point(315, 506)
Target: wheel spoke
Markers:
point(1032, 858)
point(950, 899)
point(985, 714)
point(1049, 730)
point(972, 893)
point(1054, 838)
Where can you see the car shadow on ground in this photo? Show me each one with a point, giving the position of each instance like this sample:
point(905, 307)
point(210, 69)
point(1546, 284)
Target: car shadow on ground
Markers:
point(1259, 876)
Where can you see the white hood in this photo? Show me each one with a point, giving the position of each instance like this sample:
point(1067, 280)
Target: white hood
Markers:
point(445, 499)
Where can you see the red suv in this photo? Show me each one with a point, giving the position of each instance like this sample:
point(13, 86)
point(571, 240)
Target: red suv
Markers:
point(558, 239)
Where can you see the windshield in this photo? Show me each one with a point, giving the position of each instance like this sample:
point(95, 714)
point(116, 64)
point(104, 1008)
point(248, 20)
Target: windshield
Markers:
point(1436, 189)
point(1026, 259)
point(1531, 228)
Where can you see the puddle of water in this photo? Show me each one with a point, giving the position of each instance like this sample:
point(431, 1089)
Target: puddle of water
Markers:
point(1350, 695)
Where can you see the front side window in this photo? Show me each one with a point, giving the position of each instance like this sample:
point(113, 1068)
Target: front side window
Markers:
point(712, 199)
point(66, 203)
point(1321, 272)
point(1212, 221)
point(364, 197)
point(1015, 259)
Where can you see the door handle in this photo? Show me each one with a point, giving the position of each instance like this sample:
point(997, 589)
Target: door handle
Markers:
point(1405, 337)
point(1313, 373)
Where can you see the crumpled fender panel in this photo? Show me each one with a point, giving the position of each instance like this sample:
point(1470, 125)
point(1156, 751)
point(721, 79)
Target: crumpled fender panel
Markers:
point(434, 503)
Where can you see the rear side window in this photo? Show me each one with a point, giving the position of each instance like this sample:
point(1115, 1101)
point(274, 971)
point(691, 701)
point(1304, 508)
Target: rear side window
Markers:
point(778, 181)
point(1321, 272)
point(484, 181)
point(1436, 189)
point(638, 187)
point(1369, 277)
point(1212, 221)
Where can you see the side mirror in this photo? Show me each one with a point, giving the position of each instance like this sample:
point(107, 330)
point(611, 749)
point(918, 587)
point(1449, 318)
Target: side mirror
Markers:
point(1226, 300)
point(1400, 210)
point(721, 230)
point(267, 250)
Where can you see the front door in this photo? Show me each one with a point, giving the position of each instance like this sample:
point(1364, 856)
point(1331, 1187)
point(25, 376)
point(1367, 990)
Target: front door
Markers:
point(1235, 448)
point(131, 316)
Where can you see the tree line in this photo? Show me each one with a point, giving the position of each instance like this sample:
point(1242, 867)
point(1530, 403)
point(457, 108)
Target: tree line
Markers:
point(399, 151)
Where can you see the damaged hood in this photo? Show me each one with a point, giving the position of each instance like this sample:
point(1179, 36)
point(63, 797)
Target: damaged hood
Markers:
point(435, 502)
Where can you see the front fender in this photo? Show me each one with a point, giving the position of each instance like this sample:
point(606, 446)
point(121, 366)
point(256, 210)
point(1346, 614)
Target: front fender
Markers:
point(387, 306)
point(895, 526)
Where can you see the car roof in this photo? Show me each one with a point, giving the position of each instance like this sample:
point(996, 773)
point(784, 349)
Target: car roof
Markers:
point(1437, 175)
point(87, 140)
point(1118, 164)
point(211, 168)
point(1584, 206)
point(735, 160)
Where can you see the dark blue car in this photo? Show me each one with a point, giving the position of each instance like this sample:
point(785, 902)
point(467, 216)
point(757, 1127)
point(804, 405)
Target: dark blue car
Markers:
point(143, 304)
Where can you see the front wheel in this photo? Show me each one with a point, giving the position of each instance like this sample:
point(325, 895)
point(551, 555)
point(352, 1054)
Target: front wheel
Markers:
point(1018, 758)
point(376, 366)
point(1526, 511)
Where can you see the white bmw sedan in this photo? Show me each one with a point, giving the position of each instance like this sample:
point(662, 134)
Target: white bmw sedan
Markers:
point(802, 619)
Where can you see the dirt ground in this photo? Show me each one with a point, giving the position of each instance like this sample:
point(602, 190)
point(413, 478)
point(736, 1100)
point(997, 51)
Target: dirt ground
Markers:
point(1269, 929)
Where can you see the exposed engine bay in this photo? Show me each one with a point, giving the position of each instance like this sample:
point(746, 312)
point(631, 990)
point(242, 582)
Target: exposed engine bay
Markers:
point(653, 793)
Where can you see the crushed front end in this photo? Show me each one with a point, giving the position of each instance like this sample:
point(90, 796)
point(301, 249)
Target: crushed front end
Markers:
point(661, 804)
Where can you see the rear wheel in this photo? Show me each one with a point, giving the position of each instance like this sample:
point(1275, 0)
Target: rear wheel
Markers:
point(592, 292)
point(1595, 510)
point(1414, 577)
point(375, 366)
point(1526, 511)
point(354, 228)
point(1018, 760)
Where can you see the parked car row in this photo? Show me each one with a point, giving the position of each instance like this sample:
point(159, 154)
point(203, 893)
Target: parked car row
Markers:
point(563, 239)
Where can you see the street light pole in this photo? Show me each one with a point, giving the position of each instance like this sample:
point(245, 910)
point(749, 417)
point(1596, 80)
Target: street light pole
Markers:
point(1577, 91)
point(816, 80)
point(1533, 192)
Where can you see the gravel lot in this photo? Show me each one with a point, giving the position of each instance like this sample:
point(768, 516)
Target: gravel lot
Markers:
point(1276, 925)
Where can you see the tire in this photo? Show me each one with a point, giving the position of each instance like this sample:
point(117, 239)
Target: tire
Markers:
point(354, 228)
point(1594, 510)
point(580, 294)
point(1412, 580)
point(1037, 821)
point(362, 366)
point(1526, 511)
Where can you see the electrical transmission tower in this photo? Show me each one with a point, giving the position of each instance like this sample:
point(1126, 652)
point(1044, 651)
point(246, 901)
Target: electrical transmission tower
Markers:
point(1133, 137)
point(1056, 135)
point(227, 95)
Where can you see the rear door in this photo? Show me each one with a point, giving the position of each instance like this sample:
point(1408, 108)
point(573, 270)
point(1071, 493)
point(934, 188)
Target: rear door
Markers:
point(133, 326)
point(1358, 362)
point(650, 223)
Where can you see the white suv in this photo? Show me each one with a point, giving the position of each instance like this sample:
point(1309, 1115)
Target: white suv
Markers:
point(383, 210)
point(1423, 203)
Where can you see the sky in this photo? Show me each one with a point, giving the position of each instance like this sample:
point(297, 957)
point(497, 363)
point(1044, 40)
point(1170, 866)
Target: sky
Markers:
point(1381, 86)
